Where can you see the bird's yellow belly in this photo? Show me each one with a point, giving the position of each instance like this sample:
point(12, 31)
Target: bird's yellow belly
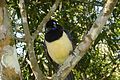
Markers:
point(59, 50)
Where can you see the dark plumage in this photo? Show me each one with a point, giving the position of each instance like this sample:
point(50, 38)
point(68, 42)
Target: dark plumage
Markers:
point(53, 31)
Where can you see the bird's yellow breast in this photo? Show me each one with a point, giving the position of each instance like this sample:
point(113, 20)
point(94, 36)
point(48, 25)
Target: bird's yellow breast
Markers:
point(59, 50)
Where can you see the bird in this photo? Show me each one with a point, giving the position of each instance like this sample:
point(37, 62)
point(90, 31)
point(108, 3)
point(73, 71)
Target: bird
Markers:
point(58, 43)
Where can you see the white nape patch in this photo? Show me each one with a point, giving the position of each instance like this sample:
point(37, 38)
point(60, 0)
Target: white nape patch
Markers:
point(59, 50)
point(9, 58)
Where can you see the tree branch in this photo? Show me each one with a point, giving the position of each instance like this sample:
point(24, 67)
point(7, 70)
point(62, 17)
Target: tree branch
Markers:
point(46, 19)
point(82, 48)
point(30, 44)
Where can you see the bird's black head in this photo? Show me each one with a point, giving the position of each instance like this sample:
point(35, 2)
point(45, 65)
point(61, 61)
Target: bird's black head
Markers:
point(53, 31)
point(51, 25)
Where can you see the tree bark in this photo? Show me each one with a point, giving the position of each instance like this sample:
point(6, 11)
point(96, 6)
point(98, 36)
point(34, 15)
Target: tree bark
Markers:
point(9, 66)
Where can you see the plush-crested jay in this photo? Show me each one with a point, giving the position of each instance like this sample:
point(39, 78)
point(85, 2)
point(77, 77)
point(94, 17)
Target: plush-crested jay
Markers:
point(58, 43)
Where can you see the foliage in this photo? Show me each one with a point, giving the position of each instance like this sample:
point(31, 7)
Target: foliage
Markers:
point(101, 62)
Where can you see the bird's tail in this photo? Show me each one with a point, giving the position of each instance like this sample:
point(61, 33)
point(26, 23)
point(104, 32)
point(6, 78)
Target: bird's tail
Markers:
point(70, 76)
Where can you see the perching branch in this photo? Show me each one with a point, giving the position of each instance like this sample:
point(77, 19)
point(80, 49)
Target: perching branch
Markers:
point(46, 19)
point(30, 44)
point(82, 48)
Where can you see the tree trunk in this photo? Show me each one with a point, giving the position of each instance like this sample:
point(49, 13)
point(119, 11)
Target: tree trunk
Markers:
point(9, 66)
